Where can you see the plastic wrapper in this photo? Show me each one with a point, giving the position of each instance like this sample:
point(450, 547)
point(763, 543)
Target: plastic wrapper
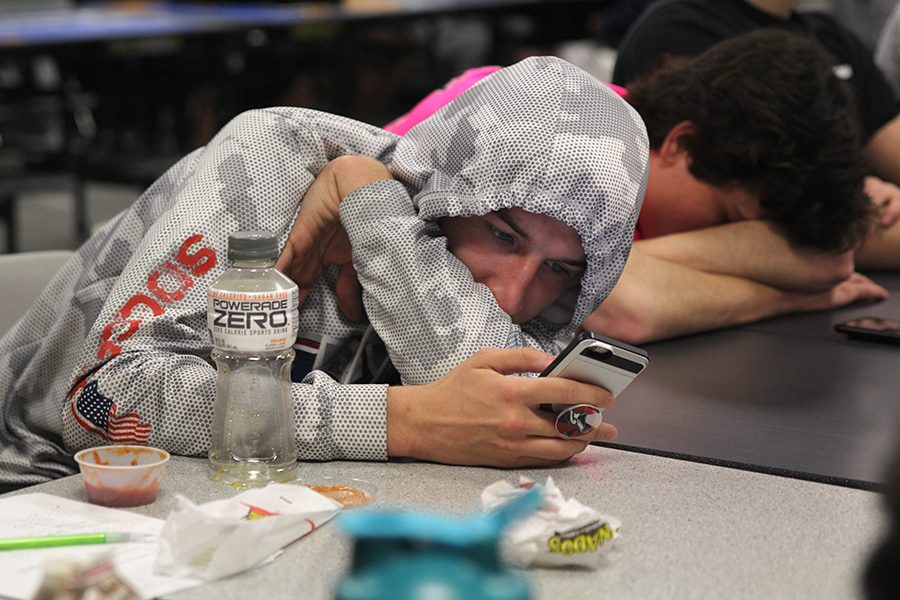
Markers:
point(75, 580)
point(562, 532)
point(224, 537)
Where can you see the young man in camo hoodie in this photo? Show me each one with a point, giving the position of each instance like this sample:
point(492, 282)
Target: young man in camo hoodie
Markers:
point(532, 180)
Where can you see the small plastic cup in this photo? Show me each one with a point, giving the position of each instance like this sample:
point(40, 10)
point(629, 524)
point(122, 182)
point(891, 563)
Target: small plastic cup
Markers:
point(121, 475)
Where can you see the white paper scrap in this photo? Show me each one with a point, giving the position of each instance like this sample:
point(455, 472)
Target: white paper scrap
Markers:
point(224, 537)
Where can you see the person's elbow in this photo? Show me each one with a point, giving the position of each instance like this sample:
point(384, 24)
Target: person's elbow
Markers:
point(623, 321)
point(633, 312)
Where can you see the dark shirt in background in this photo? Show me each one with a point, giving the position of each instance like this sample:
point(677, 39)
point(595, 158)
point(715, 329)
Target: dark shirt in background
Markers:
point(688, 27)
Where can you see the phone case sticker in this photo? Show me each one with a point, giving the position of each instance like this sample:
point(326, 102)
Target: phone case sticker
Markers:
point(578, 420)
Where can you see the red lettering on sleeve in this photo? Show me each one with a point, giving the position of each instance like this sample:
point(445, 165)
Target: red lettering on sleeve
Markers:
point(201, 261)
point(139, 299)
point(169, 271)
point(131, 316)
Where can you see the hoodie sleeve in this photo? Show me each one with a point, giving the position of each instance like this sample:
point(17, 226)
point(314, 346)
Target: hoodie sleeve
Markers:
point(145, 374)
point(419, 297)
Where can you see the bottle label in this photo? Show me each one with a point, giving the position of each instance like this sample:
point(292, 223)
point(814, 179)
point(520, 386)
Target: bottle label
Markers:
point(255, 321)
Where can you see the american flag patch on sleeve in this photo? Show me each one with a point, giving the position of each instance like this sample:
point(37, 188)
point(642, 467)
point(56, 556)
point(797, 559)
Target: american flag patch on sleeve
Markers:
point(97, 413)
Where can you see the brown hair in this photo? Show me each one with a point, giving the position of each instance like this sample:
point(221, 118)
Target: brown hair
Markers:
point(772, 118)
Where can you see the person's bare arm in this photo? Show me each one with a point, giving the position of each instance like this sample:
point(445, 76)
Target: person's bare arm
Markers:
point(881, 151)
point(753, 250)
point(657, 299)
point(478, 415)
point(881, 248)
point(885, 197)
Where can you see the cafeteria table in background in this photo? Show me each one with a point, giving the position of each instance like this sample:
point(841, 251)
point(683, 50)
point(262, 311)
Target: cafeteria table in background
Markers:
point(788, 396)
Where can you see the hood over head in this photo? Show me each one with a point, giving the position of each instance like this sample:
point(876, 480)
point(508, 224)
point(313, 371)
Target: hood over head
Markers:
point(547, 137)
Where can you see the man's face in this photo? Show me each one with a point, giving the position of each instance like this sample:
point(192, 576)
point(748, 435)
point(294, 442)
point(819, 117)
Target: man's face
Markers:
point(526, 260)
point(677, 201)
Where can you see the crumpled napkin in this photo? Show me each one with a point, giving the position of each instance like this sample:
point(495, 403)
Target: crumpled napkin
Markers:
point(561, 532)
point(224, 537)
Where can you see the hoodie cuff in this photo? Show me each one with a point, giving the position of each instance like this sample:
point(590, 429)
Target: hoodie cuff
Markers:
point(360, 421)
point(349, 422)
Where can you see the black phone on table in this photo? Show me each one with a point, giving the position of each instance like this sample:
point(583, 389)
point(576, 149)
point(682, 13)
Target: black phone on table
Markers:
point(873, 329)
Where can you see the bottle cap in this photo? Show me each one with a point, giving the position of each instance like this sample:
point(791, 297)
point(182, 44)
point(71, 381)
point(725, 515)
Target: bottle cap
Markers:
point(252, 245)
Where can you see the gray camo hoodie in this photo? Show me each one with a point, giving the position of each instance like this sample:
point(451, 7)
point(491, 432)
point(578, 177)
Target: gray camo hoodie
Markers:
point(116, 348)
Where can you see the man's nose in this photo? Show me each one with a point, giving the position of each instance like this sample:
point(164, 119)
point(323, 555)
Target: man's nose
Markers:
point(510, 285)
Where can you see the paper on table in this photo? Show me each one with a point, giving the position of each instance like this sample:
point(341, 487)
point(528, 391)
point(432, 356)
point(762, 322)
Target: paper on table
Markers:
point(224, 537)
point(21, 571)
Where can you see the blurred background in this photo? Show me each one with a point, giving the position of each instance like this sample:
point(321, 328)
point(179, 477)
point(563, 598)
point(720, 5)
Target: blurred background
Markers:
point(97, 99)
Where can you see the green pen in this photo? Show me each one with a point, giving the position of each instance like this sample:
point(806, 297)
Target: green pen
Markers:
point(75, 539)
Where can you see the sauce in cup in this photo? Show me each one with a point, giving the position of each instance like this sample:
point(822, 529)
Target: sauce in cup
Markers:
point(121, 476)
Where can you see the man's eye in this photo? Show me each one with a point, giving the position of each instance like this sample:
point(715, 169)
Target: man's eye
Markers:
point(558, 269)
point(502, 236)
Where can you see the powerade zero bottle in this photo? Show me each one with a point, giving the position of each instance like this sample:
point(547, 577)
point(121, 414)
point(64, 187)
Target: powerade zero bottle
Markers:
point(252, 320)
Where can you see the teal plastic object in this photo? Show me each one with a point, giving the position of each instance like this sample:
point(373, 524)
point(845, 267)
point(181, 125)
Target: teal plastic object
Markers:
point(405, 555)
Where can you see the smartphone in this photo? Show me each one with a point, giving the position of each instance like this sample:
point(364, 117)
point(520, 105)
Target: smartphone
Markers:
point(873, 329)
point(598, 360)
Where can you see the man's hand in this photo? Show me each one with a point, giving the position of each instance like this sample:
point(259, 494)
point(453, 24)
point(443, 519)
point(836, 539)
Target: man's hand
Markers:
point(478, 415)
point(886, 197)
point(317, 238)
point(856, 288)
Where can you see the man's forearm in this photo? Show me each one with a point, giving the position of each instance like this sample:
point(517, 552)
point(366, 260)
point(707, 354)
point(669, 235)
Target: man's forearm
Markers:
point(656, 299)
point(752, 250)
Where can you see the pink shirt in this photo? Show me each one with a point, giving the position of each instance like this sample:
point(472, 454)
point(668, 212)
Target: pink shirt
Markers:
point(434, 101)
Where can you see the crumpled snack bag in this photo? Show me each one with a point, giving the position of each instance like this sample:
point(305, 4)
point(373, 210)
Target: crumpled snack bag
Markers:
point(224, 537)
point(562, 532)
point(97, 579)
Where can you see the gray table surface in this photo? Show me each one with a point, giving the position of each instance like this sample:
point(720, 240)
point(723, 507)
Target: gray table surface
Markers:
point(689, 530)
point(786, 395)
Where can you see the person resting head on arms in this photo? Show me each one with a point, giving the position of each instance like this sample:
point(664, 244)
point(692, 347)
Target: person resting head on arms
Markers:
point(672, 28)
point(754, 205)
point(499, 223)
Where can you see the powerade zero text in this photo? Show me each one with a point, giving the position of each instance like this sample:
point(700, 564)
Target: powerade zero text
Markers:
point(253, 321)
